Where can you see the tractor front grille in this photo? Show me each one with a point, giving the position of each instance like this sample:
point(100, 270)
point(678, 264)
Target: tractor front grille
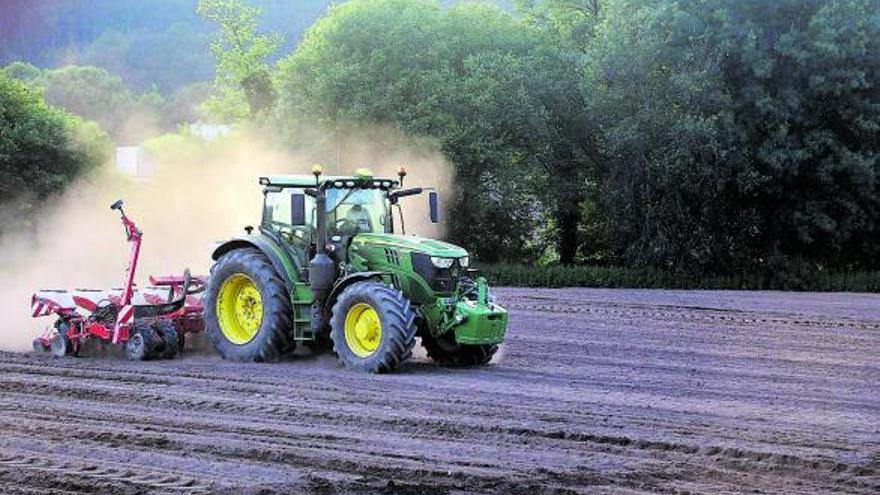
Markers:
point(440, 279)
point(392, 257)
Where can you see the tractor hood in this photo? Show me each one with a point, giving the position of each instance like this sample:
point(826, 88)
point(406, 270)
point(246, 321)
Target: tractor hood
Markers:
point(430, 247)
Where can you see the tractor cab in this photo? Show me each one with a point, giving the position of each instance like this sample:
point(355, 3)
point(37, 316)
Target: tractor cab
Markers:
point(359, 204)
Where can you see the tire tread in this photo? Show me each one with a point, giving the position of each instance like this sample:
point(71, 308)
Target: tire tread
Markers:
point(273, 339)
point(398, 325)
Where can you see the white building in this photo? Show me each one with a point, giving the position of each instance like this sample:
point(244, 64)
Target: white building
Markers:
point(134, 161)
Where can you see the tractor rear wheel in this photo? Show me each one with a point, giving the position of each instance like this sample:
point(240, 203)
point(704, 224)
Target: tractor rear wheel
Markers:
point(444, 350)
point(168, 335)
point(247, 308)
point(372, 327)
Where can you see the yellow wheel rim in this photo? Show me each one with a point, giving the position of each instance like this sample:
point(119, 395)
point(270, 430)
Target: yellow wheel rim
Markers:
point(363, 330)
point(239, 309)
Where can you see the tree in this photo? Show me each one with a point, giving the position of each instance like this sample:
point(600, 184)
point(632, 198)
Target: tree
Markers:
point(23, 71)
point(183, 106)
point(243, 85)
point(145, 43)
point(42, 148)
point(502, 101)
point(89, 92)
point(738, 133)
point(167, 58)
point(95, 94)
point(571, 21)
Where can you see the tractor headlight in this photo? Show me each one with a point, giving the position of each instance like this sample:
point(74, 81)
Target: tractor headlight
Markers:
point(464, 261)
point(442, 262)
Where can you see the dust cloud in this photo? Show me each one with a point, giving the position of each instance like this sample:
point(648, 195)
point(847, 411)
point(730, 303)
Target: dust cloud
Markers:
point(200, 193)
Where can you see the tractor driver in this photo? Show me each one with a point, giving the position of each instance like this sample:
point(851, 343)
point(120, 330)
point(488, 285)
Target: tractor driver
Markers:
point(358, 218)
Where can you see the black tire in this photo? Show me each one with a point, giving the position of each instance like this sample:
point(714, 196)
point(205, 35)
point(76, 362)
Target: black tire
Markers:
point(143, 343)
point(272, 339)
point(445, 351)
point(61, 345)
point(181, 339)
point(166, 332)
point(398, 327)
point(39, 347)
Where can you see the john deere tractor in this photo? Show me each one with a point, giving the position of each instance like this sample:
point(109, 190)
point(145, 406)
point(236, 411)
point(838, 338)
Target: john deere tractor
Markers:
point(331, 265)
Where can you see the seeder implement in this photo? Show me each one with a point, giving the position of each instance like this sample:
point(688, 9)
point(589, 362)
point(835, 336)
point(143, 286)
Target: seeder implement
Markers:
point(149, 323)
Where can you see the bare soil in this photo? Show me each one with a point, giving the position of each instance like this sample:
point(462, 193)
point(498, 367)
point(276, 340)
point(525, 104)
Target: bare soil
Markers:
point(597, 391)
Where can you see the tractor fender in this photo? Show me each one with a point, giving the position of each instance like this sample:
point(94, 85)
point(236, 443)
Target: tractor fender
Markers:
point(281, 261)
point(345, 282)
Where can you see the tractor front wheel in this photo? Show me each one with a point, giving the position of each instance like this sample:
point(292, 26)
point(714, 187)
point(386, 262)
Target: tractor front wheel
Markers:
point(444, 350)
point(372, 327)
point(247, 308)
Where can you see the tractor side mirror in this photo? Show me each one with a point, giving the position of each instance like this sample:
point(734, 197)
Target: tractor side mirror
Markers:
point(297, 209)
point(433, 204)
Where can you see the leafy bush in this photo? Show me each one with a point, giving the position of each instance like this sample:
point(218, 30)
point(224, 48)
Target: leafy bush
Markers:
point(798, 275)
point(737, 132)
point(42, 148)
point(94, 93)
point(501, 98)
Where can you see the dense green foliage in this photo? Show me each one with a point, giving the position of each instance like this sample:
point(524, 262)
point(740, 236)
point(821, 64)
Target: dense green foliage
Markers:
point(699, 135)
point(738, 133)
point(243, 86)
point(688, 140)
point(42, 148)
point(794, 275)
point(501, 99)
point(95, 94)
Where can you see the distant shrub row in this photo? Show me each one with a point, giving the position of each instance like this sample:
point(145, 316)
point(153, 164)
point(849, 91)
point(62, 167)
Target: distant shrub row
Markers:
point(796, 276)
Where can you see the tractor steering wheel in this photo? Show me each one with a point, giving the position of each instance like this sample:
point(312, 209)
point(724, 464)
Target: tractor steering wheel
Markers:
point(345, 226)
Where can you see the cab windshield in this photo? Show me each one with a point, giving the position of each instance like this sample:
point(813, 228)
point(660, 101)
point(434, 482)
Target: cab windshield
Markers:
point(349, 212)
point(356, 211)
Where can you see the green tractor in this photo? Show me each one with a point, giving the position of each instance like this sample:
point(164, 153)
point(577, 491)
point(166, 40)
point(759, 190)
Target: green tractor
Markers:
point(327, 267)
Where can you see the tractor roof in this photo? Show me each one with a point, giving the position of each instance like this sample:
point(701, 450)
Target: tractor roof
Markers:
point(341, 181)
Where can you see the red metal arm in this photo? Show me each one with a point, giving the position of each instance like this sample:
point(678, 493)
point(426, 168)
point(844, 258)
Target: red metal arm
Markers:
point(126, 309)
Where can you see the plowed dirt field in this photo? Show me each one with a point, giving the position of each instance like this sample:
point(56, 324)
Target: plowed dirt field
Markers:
point(596, 391)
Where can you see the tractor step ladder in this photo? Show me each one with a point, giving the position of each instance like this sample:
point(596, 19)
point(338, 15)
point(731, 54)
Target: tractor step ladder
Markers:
point(302, 315)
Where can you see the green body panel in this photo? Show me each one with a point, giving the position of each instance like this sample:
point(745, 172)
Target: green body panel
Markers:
point(278, 255)
point(474, 322)
point(409, 243)
point(480, 323)
point(391, 253)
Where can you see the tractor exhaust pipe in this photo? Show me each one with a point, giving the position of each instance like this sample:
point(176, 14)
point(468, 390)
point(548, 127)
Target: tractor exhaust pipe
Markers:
point(322, 269)
point(321, 219)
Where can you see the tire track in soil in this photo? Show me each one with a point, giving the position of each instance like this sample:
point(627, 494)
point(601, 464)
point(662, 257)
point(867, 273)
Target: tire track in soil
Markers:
point(54, 470)
point(662, 394)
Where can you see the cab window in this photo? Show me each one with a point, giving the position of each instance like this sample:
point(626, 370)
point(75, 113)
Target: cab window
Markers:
point(355, 211)
point(277, 213)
